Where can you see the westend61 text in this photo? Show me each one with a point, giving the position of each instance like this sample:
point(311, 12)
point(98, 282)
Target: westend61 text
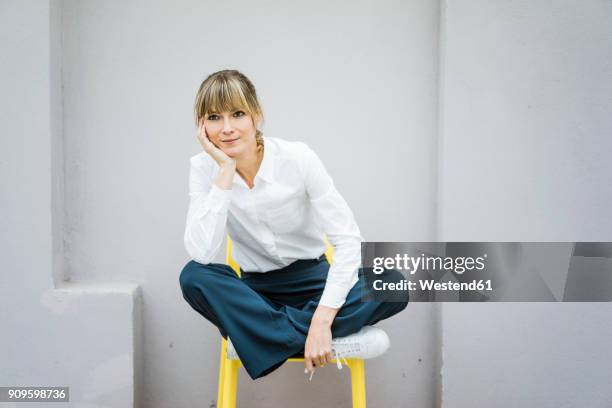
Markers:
point(432, 285)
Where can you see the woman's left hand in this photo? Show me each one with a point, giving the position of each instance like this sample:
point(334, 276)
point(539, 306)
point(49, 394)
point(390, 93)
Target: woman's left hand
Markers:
point(317, 350)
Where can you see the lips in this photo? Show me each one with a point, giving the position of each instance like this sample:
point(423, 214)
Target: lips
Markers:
point(230, 140)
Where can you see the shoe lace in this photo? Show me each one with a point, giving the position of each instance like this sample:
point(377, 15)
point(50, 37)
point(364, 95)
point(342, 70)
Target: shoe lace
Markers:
point(339, 359)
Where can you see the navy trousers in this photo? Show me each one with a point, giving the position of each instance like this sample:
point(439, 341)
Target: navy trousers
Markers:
point(267, 315)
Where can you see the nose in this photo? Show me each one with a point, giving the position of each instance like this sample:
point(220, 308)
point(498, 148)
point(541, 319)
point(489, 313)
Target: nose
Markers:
point(227, 127)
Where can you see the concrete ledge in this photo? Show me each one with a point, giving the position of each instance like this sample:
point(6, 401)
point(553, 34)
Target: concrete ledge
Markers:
point(130, 288)
point(96, 341)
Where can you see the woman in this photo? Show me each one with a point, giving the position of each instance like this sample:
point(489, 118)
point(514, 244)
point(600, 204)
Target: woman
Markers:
point(277, 201)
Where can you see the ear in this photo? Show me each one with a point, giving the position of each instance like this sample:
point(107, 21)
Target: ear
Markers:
point(257, 121)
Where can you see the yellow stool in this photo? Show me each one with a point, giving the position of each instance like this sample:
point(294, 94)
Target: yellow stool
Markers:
point(228, 369)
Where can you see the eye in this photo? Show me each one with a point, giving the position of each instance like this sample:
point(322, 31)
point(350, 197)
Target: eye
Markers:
point(238, 114)
point(213, 116)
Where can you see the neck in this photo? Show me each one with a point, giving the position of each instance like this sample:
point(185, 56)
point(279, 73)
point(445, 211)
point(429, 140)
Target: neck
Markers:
point(248, 165)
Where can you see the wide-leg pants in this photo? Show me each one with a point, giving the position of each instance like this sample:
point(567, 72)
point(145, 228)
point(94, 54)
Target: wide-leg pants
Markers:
point(267, 315)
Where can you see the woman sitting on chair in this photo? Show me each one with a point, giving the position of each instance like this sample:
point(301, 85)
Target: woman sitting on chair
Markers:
point(277, 201)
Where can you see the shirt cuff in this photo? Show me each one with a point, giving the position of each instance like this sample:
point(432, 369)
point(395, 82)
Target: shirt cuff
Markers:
point(334, 295)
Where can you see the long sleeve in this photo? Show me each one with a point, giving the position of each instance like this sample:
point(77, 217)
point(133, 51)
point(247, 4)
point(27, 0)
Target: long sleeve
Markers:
point(337, 221)
point(206, 217)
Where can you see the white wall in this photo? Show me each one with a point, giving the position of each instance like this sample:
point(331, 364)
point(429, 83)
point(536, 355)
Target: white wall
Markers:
point(525, 143)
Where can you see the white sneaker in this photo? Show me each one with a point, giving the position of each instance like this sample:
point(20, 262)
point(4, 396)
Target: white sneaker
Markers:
point(369, 342)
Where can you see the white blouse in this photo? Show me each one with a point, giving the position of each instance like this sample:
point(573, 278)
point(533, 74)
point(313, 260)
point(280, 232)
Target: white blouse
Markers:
point(283, 218)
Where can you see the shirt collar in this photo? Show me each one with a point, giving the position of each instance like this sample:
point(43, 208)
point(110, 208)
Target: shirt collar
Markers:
point(266, 168)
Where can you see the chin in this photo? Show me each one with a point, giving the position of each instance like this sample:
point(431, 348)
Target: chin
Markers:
point(233, 153)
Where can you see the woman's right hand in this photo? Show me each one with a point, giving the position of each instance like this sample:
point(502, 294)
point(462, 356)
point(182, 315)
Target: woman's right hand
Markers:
point(222, 159)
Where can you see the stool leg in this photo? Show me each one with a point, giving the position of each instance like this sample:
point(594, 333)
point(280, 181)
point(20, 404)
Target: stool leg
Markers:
point(358, 386)
point(222, 362)
point(230, 383)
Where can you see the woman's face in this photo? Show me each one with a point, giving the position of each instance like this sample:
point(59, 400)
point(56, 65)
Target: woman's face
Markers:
point(233, 132)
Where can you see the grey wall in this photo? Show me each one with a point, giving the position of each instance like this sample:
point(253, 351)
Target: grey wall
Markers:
point(26, 222)
point(328, 74)
point(84, 336)
point(525, 143)
point(470, 121)
point(26, 187)
point(525, 132)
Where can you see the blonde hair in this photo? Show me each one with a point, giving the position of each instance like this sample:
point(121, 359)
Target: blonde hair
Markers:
point(228, 90)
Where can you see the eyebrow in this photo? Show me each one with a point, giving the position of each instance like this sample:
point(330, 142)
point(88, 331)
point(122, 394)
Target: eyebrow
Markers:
point(235, 110)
